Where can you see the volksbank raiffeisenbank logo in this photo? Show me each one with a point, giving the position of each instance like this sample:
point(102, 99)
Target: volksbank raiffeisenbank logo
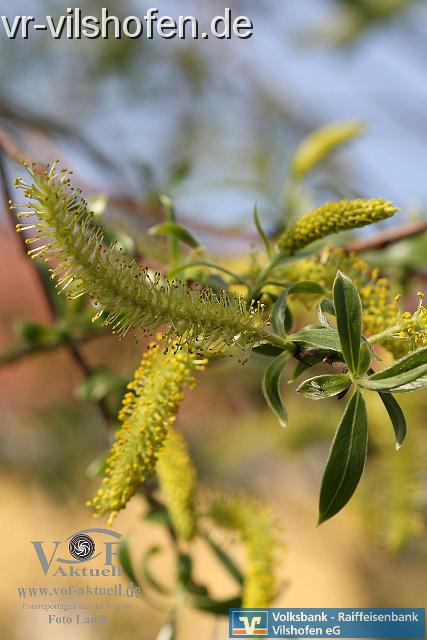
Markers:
point(327, 623)
point(246, 623)
point(91, 552)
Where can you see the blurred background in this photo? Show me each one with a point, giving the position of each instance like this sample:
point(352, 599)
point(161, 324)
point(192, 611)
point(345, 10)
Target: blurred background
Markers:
point(211, 124)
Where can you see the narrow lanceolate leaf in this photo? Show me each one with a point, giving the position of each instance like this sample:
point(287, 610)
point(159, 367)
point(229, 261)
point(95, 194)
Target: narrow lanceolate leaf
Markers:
point(411, 361)
point(271, 387)
point(348, 308)
point(318, 336)
point(174, 230)
point(278, 319)
point(346, 459)
point(396, 416)
point(411, 366)
point(419, 383)
point(407, 381)
point(262, 233)
point(324, 386)
point(126, 562)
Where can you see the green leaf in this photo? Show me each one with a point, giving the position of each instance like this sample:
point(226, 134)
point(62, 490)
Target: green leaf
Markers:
point(324, 386)
point(279, 314)
point(97, 468)
point(289, 319)
point(126, 562)
point(407, 381)
point(348, 308)
point(185, 576)
point(39, 336)
point(419, 383)
point(225, 560)
point(262, 233)
point(271, 387)
point(396, 416)
point(267, 350)
point(218, 607)
point(174, 230)
point(413, 360)
point(97, 385)
point(300, 368)
point(326, 306)
point(176, 271)
point(278, 319)
point(346, 459)
point(148, 575)
point(365, 357)
point(318, 336)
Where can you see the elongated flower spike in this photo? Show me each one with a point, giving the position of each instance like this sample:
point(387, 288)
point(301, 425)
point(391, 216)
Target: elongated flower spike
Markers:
point(149, 410)
point(332, 218)
point(127, 295)
point(255, 525)
point(177, 477)
point(318, 146)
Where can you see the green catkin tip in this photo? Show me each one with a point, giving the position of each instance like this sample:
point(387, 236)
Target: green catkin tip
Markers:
point(320, 144)
point(254, 524)
point(330, 218)
point(177, 477)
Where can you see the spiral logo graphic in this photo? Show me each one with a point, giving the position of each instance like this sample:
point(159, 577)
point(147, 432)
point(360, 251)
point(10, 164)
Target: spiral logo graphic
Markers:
point(81, 547)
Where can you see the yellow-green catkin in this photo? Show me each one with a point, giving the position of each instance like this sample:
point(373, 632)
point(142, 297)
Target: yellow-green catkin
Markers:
point(411, 328)
point(394, 497)
point(331, 218)
point(177, 477)
point(148, 411)
point(320, 144)
point(127, 297)
point(379, 306)
point(255, 525)
point(408, 330)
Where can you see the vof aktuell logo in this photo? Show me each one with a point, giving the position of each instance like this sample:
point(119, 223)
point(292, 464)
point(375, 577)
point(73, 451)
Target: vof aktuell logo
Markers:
point(90, 552)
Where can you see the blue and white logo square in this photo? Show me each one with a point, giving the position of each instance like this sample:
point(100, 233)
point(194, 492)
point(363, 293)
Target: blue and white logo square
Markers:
point(245, 623)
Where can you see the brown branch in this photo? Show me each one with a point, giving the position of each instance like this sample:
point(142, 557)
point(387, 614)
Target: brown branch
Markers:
point(151, 212)
point(388, 238)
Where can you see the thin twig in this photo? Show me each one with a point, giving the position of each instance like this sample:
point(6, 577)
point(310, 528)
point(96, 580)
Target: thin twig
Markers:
point(388, 238)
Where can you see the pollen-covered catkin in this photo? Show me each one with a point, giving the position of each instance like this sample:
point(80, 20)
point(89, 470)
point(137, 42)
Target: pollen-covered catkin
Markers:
point(177, 478)
point(148, 411)
point(126, 295)
point(408, 330)
point(330, 218)
point(259, 533)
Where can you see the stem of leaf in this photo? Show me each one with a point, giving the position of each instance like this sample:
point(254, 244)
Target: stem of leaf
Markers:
point(387, 334)
point(260, 281)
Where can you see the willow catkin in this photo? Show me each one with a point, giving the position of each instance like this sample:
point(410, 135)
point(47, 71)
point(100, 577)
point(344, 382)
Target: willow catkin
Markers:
point(148, 411)
point(332, 218)
point(320, 144)
point(255, 525)
point(177, 478)
point(126, 295)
